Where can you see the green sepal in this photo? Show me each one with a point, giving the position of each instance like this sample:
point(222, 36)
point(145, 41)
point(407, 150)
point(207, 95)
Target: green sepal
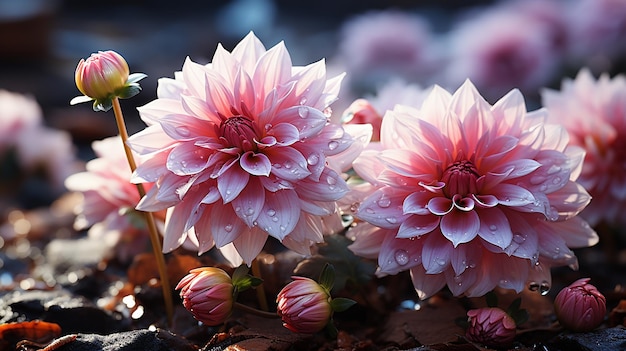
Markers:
point(519, 315)
point(327, 277)
point(102, 105)
point(492, 299)
point(330, 330)
point(135, 77)
point(128, 91)
point(243, 281)
point(341, 304)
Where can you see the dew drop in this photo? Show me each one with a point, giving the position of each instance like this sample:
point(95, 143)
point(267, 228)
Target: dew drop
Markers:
point(519, 238)
point(369, 210)
point(183, 131)
point(271, 212)
point(282, 228)
point(303, 100)
point(533, 286)
point(544, 288)
point(249, 211)
point(384, 202)
point(228, 227)
point(391, 220)
point(556, 180)
point(440, 261)
point(401, 257)
point(274, 219)
point(493, 227)
point(313, 159)
point(303, 111)
point(268, 127)
point(332, 145)
point(553, 169)
point(288, 165)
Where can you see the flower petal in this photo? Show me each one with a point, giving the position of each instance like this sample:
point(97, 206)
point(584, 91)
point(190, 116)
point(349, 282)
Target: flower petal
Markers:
point(417, 225)
point(417, 203)
point(187, 159)
point(460, 226)
point(232, 182)
point(287, 163)
point(436, 253)
point(250, 243)
point(398, 255)
point(383, 208)
point(426, 284)
point(255, 163)
point(440, 205)
point(249, 203)
point(495, 227)
point(280, 213)
point(225, 226)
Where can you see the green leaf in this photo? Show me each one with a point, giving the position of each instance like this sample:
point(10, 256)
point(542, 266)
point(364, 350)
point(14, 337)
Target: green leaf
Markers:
point(102, 105)
point(341, 304)
point(242, 281)
point(331, 330)
point(327, 277)
point(514, 306)
point(492, 299)
point(128, 91)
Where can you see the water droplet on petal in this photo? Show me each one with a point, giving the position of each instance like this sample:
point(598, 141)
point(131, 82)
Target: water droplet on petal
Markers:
point(282, 228)
point(391, 220)
point(533, 286)
point(271, 212)
point(332, 145)
point(401, 257)
point(313, 159)
point(303, 112)
point(183, 131)
point(303, 100)
point(274, 219)
point(249, 211)
point(369, 210)
point(384, 202)
point(493, 227)
point(228, 227)
point(556, 180)
point(440, 261)
point(544, 288)
point(268, 127)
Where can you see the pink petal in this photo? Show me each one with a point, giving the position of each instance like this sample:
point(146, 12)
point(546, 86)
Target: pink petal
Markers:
point(177, 223)
point(249, 203)
point(194, 76)
point(417, 203)
point(287, 163)
point(231, 255)
point(440, 205)
point(151, 169)
point(512, 195)
point(460, 227)
point(181, 127)
point(248, 51)
point(152, 112)
point(418, 225)
point(307, 120)
point(426, 284)
point(495, 227)
point(273, 183)
point(250, 243)
point(187, 159)
point(569, 200)
point(383, 208)
point(202, 232)
point(200, 109)
point(307, 232)
point(225, 225)
point(579, 233)
point(485, 200)
point(436, 253)
point(315, 159)
point(310, 83)
point(398, 255)
point(333, 140)
point(255, 163)
point(368, 239)
point(524, 242)
point(173, 239)
point(150, 140)
point(368, 167)
point(407, 163)
point(285, 133)
point(280, 213)
point(272, 69)
point(232, 182)
point(330, 187)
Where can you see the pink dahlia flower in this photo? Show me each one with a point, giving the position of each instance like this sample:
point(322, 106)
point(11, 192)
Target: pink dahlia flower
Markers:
point(239, 148)
point(594, 113)
point(207, 293)
point(490, 326)
point(501, 50)
point(580, 307)
point(109, 200)
point(471, 195)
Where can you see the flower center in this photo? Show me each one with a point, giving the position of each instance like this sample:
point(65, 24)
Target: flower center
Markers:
point(239, 131)
point(460, 178)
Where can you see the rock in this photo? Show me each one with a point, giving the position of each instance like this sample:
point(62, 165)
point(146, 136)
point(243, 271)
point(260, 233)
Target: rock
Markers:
point(74, 314)
point(598, 340)
point(136, 340)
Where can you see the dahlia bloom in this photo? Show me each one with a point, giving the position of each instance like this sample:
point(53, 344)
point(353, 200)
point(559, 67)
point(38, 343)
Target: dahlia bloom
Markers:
point(580, 307)
point(594, 113)
point(207, 293)
point(103, 76)
point(18, 113)
point(490, 326)
point(471, 195)
point(304, 306)
point(109, 200)
point(501, 50)
point(239, 147)
point(380, 44)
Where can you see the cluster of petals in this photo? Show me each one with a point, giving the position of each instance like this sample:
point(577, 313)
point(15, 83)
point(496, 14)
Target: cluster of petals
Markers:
point(490, 326)
point(207, 293)
point(580, 307)
point(471, 195)
point(238, 148)
point(304, 306)
point(594, 113)
point(109, 200)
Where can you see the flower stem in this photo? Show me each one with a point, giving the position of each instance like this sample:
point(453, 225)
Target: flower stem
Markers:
point(260, 291)
point(254, 311)
point(149, 217)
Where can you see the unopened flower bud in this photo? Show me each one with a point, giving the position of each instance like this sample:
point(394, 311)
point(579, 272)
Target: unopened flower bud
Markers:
point(361, 111)
point(304, 306)
point(103, 76)
point(490, 326)
point(580, 307)
point(207, 293)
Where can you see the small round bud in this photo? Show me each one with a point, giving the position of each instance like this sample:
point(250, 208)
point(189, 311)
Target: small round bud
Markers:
point(207, 293)
point(580, 307)
point(102, 74)
point(304, 306)
point(490, 326)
